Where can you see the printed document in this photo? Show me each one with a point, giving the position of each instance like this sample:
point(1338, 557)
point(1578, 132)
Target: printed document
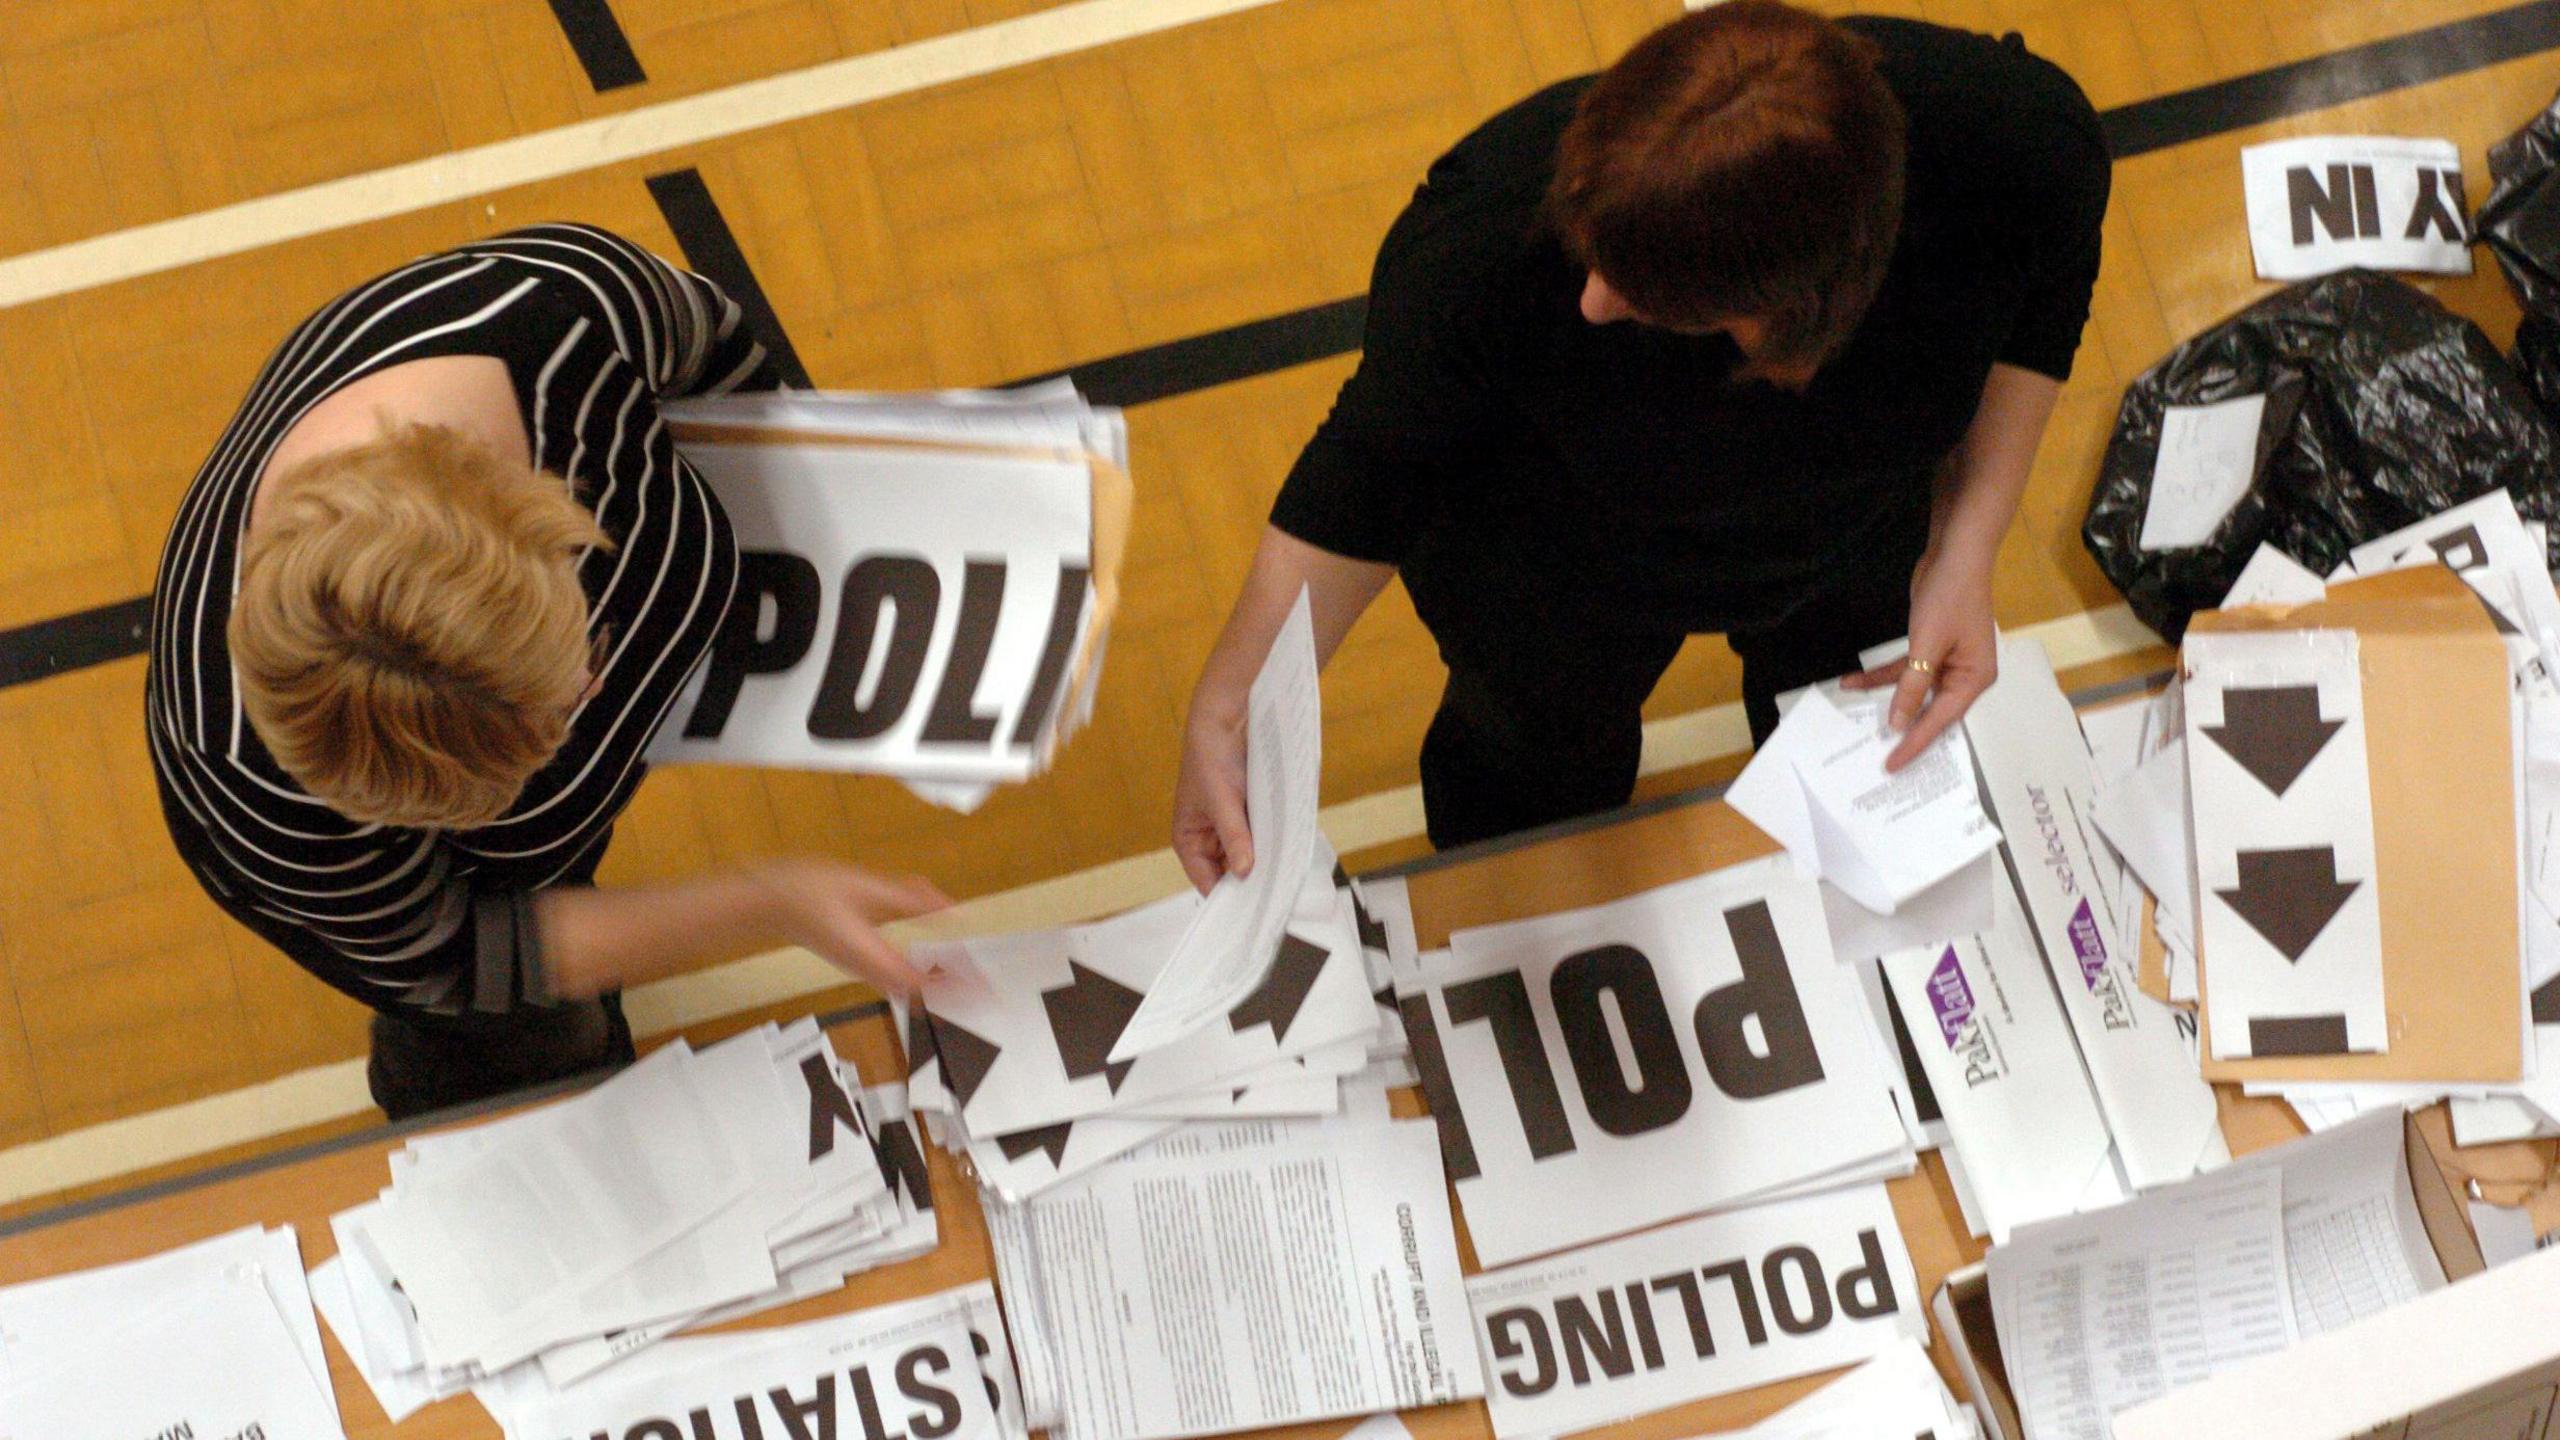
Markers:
point(1200, 1293)
point(2353, 1242)
point(2101, 1312)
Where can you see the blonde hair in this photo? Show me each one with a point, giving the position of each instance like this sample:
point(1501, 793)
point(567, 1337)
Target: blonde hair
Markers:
point(409, 636)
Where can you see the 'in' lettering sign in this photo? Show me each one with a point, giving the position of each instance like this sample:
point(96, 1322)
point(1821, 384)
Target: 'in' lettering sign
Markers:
point(2333, 202)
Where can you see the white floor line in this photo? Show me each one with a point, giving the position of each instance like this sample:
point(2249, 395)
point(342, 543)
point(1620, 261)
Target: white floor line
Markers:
point(611, 139)
point(310, 1097)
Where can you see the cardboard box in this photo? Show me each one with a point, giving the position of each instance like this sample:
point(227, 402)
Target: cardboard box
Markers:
point(2476, 1361)
point(1962, 1309)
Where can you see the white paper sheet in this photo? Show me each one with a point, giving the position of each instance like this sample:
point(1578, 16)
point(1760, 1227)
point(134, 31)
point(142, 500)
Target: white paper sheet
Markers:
point(2274, 578)
point(2323, 203)
point(220, 1362)
point(1896, 1394)
point(45, 1322)
point(1705, 1307)
point(2101, 1312)
point(1820, 788)
point(2291, 913)
point(2208, 455)
point(1197, 1294)
point(1227, 950)
point(1689, 1047)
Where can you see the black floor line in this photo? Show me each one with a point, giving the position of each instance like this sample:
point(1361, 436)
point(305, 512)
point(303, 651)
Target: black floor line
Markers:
point(601, 46)
point(1260, 347)
point(711, 248)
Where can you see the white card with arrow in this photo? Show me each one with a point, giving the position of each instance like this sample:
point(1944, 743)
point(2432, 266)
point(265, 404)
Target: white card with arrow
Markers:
point(2290, 916)
point(1030, 1045)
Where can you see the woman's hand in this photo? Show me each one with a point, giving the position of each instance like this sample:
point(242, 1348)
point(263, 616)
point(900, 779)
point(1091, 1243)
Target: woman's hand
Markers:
point(836, 910)
point(1212, 834)
point(1957, 648)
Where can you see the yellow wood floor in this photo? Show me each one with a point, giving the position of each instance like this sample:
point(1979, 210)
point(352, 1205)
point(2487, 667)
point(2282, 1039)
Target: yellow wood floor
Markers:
point(1218, 173)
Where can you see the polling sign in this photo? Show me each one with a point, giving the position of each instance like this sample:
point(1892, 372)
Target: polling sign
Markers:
point(1597, 1071)
point(2335, 202)
point(927, 607)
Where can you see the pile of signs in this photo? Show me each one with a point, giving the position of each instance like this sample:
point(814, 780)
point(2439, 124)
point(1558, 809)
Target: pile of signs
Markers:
point(926, 582)
point(1695, 1054)
point(2002, 969)
point(2345, 816)
point(1178, 1118)
point(536, 1251)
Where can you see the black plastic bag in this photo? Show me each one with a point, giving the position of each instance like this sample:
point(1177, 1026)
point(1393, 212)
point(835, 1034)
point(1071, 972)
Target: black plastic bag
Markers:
point(2520, 223)
point(2383, 408)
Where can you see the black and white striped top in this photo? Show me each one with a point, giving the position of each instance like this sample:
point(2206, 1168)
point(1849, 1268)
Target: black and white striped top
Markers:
point(594, 331)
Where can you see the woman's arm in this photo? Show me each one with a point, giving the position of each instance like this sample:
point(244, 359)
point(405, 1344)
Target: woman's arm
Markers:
point(1951, 617)
point(593, 941)
point(1210, 830)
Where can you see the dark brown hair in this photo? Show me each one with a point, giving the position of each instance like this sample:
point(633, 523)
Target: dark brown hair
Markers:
point(1742, 162)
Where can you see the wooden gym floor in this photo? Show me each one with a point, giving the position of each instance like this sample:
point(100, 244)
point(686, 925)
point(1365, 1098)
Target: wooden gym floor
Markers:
point(1042, 216)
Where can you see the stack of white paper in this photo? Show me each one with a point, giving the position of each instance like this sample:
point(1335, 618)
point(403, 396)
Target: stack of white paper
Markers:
point(225, 1325)
point(928, 584)
point(1010, 1056)
point(692, 1188)
point(1238, 1276)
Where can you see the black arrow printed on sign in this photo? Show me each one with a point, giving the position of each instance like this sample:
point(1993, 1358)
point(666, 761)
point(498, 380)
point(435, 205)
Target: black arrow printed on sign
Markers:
point(2289, 896)
point(2274, 731)
point(2546, 1003)
point(1086, 1015)
point(1283, 991)
point(920, 1046)
point(1373, 931)
point(1049, 1138)
point(966, 1058)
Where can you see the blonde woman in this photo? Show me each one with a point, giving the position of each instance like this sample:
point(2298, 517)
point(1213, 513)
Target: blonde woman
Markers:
point(416, 622)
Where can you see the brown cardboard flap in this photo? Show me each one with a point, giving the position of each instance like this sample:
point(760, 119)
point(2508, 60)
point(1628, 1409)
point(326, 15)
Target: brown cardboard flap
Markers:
point(2441, 754)
point(1969, 1298)
point(2447, 1219)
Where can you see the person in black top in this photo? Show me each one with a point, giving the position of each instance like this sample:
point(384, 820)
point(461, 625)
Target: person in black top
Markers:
point(1755, 333)
point(419, 616)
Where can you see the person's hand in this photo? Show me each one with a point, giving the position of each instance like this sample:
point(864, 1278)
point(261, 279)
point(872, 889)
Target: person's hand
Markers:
point(1954, 657)
point(836, 910)
point(1211, 833)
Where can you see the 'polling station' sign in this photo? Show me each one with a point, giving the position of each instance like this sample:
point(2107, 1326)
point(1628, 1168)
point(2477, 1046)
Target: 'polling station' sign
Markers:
point(1602, 1070)
point(2326, 203)
point(923, 611)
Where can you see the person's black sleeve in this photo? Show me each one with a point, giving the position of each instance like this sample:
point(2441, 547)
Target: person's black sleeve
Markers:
point(2065, 175)
point(1405, 423)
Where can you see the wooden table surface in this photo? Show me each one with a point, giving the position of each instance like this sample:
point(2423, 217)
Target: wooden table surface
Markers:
point(1581, 864)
